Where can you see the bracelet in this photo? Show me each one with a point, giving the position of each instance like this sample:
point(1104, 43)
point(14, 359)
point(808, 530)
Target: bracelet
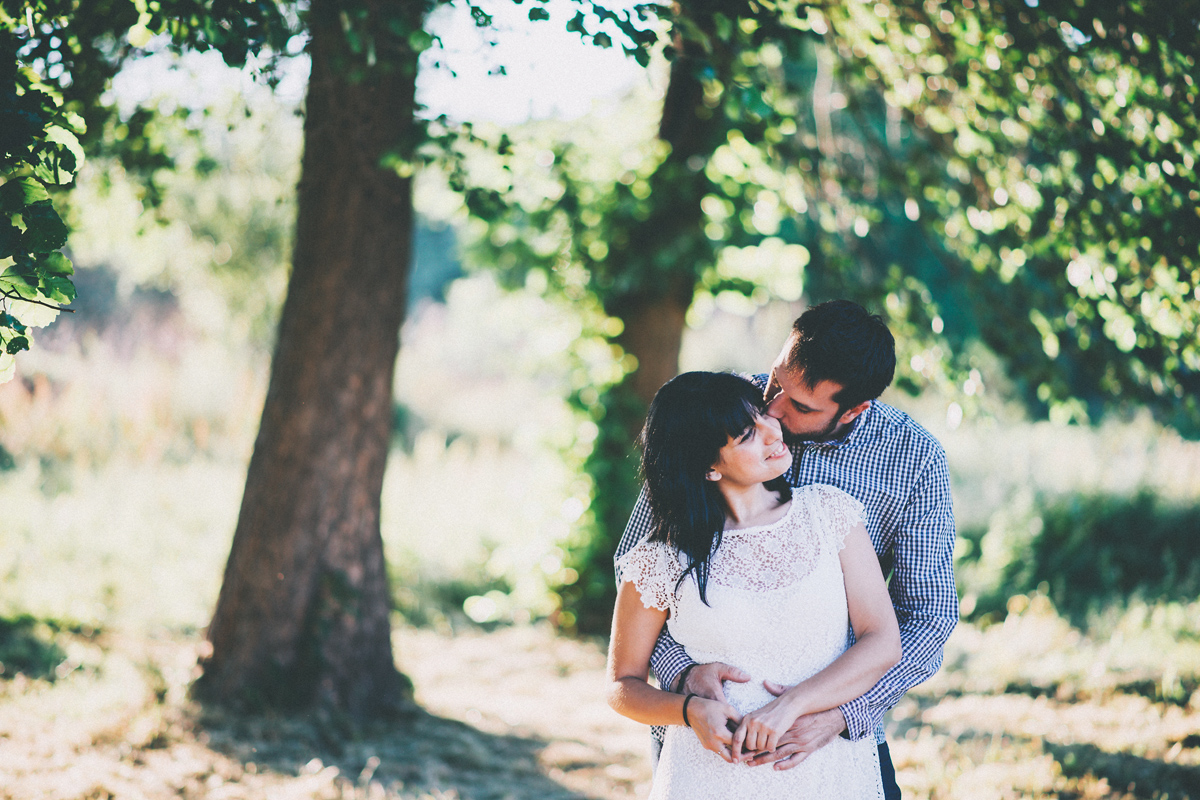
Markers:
point(682, 681)
point(687, 700)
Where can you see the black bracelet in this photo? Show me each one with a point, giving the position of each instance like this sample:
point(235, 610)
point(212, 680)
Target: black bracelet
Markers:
point(687, 700)
point(682, 682)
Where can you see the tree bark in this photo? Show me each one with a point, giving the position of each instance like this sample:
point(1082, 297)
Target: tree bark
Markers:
point(303, 613)
point(654, 335)
point(654, 311)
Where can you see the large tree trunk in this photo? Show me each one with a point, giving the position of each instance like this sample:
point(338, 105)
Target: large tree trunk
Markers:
point(302, 616)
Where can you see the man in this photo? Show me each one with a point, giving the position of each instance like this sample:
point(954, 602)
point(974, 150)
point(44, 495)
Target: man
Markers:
point(822, 388)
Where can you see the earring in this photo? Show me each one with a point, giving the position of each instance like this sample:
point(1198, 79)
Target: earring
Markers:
point(713, 475)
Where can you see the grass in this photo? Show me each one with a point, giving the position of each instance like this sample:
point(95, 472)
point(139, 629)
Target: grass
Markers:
point(1027, 708)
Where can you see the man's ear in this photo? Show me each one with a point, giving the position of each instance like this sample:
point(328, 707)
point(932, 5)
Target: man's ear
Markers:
point(851, 414)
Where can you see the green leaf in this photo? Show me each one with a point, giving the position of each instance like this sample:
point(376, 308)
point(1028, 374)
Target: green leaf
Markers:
point(537, 13)
point(602, 40)
point(58, 289)
point(576, 24)
point(32, 314)
point(10, 239)
point(16, 345)
point(11, 322)
point(44, 229)
point(420, 40)
point(58, 264)
point(17, 277)
point(16, 194)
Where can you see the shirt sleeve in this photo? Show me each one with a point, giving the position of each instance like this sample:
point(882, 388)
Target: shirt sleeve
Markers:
point(923, 593)
point(669, 659)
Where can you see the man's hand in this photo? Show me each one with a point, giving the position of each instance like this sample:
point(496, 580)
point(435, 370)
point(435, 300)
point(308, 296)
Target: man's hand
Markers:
point(808, 734)
point(705, 680)
point(710, 721)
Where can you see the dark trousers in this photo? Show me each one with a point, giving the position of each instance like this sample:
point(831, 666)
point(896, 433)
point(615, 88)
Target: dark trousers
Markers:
point(891, 790)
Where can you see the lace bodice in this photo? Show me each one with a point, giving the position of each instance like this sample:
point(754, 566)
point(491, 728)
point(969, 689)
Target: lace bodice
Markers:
point(776, 609)
point(761, 558)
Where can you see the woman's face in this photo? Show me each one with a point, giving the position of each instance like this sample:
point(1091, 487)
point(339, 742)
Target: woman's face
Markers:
point(756, 456)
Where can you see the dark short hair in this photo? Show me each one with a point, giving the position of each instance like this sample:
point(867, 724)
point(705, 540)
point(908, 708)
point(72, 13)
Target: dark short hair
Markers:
point(839, 341)
point(691, 418)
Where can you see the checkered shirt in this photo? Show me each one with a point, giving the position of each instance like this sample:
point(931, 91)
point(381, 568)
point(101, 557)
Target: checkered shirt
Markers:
point(898, 471)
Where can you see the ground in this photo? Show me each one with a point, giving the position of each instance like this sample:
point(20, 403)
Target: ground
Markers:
point(519, 713)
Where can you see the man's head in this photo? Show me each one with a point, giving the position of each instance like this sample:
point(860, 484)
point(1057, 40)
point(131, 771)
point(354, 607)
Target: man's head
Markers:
point(837, 359)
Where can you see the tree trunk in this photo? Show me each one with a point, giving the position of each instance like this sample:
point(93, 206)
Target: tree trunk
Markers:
point(654, 311)
point(303, 614)
point(654, 334)
point(661, 261)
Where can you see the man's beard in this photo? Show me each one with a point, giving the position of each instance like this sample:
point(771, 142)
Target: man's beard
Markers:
point(831, 431)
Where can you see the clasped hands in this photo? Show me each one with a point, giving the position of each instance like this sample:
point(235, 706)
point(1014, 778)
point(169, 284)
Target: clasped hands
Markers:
point(769, 735)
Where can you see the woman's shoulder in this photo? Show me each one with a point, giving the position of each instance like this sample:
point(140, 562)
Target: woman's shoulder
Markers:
point(653, 568)
point(823, 493)
point(648, 555)
point(834, 509)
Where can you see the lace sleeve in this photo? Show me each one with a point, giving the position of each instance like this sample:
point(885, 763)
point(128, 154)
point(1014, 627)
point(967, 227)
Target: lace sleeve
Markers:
point(839, 512)
point(653, 568)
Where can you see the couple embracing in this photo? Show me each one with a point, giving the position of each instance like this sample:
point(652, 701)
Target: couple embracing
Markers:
point(787, 572)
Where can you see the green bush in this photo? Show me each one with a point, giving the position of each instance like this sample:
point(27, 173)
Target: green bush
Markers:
point(28, 647)
point(1088, 552)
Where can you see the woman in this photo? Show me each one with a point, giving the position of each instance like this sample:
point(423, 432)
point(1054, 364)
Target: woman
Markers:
point(745, 570)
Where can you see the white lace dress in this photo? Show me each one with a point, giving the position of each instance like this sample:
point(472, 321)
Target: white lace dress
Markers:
point(777, 609)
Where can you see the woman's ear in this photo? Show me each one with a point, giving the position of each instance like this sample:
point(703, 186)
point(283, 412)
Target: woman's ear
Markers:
point(713, 475)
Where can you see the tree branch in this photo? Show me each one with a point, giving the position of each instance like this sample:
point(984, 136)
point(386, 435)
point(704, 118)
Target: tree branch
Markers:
point(16, 296)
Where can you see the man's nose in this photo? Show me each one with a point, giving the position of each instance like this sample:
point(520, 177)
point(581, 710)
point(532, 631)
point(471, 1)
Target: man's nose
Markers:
point(775, 406)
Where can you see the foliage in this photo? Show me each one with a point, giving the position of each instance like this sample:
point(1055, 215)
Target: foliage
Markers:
point(1089, 552)
point(633, 239)
point(28, 647)
point(964, 170)
point(56, 59)
point(37, 148)
point(1048, 150)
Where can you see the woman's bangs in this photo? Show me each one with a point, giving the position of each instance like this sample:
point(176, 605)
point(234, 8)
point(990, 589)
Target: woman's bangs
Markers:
point(738, 416)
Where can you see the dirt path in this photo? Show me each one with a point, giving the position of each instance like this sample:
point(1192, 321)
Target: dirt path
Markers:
point(510, 715)
point(519, 714)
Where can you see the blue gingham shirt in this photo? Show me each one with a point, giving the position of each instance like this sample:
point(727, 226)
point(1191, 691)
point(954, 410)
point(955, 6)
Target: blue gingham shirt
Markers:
point(898, 471)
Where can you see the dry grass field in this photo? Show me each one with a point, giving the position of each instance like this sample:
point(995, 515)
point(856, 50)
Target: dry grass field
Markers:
point(1024, 709)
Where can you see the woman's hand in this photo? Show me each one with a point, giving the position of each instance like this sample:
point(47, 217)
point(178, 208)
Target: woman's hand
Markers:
point(760, 730)
point(710, 721)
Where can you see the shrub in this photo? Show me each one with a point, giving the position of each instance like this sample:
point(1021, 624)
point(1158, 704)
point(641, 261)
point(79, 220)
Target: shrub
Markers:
point(1093, 551)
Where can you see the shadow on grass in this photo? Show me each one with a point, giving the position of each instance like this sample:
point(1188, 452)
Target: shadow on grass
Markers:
point(416, 755)
point(1141, 777)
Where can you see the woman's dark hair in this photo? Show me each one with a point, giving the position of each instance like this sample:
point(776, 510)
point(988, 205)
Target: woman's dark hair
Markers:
point(691, 418)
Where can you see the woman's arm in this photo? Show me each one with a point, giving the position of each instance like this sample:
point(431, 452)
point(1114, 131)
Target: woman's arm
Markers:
point(635, 629)
point(876, 649)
